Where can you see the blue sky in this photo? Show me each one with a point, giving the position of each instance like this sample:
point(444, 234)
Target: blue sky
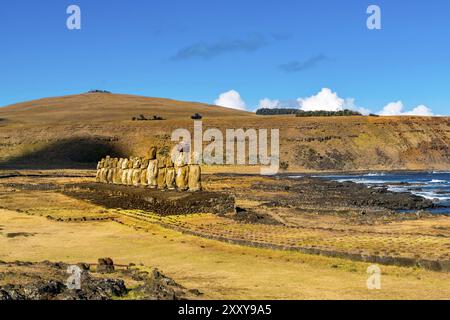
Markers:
point(287, 51)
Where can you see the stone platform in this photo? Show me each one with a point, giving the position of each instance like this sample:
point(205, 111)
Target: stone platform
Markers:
point(161, 202)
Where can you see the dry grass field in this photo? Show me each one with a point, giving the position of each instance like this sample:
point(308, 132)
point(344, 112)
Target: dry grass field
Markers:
point(37, 225)
point(221, 271)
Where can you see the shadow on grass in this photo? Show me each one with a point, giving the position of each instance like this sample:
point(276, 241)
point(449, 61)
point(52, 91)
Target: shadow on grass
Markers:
point(76, 153)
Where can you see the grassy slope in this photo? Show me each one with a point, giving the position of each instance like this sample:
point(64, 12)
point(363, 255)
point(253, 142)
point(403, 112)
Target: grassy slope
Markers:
point(51, 128)
point(93, 107)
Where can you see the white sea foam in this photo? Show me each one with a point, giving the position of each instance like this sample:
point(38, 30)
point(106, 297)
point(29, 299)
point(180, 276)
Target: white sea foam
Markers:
point(379, 174)
point(362, 181)
point(397, 189)
point(431, 195)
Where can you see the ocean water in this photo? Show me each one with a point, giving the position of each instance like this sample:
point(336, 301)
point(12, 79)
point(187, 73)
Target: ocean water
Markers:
point(430, 185)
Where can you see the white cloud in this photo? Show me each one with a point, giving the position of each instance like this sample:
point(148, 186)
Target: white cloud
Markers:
point(396, 109)
point(325, 100)
point(363, 111)
point(267, 103)
point(351, 105)
point(231, 99)
point(392, 109)
point(421, 110)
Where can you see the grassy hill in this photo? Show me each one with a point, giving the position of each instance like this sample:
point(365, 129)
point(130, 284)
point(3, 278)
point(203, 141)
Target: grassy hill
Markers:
point(74, 131)
point(91, 107)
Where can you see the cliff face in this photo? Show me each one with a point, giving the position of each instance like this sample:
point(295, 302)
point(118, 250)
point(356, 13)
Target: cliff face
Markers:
point(367, 143)
point(63, 134)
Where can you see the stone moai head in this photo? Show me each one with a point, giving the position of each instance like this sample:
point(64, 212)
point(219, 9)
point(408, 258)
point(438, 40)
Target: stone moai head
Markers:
point(169, 162)
point(133, 162)
point(144, 164)
point(194, 158)
point(184, 147)
point(137, 163)
point(152, 153)
point(182, 159)
point(161, 161)
point(107, 163)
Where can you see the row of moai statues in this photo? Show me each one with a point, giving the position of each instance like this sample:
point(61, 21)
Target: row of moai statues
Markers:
point(154, 171)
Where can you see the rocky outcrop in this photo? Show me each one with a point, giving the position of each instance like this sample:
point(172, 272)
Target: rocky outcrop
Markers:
point(48, 281)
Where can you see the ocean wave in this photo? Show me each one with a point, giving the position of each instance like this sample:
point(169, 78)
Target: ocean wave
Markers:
point(431, 196)
point(438, 181)
point(375, 174)
point(363, 181)
point(397, 189)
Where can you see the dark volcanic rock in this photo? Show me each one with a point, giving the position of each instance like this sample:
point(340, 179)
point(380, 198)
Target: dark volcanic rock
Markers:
point(10, 292)
point(159, 287)
point(47, 281)
point(249, 216)
point(96, 289)
point(357, 195)
point(92, 289)
point(160, 202)
point(105, 265)
point(43, 290)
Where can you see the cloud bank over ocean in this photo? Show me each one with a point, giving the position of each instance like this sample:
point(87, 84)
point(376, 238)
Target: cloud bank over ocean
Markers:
point(324, 100)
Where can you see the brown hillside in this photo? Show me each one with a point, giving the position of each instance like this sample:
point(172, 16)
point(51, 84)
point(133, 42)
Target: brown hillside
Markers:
point(75, 131)
point(107, 107)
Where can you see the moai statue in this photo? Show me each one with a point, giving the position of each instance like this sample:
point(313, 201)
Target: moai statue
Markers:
point(118, 174)
point(100, 164)
point(99, 169)
point(170, 174)
point(162, 173)
point(144, 166)
point(109, 171)
point(137, 171)
point(152, 169)
point(152, 153)
point(104, 171)
point(112, 170)
point(195, 173)
point(182, 171)
point(130, 172)
point(124, 171)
